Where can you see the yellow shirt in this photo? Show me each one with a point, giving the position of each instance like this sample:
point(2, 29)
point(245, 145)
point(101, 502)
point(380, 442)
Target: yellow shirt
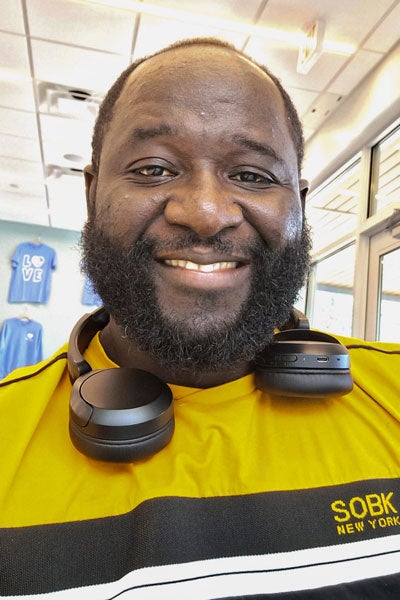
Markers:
point(335, 461)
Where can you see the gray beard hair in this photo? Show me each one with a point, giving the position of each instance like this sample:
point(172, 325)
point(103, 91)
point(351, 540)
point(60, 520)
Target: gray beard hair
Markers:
point(123, 279)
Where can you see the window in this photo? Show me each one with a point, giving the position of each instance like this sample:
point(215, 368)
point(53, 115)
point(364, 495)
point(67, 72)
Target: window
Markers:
point(333, 209)
point(383, 289)
point(385, 180)
point(300, 303)
point(345, 241)
point(389, 298)
point(332, 292)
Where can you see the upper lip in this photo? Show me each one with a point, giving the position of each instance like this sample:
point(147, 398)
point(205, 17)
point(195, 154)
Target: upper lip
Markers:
point(201, 257)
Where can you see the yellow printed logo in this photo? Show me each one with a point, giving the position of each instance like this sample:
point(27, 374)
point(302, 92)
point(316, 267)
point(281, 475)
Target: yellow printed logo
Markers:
point(376, 511)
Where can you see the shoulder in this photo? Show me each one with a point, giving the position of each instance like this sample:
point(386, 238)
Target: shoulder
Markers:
point(358, 343)
point(375, 368)
point(366, 351)
point(28, 377)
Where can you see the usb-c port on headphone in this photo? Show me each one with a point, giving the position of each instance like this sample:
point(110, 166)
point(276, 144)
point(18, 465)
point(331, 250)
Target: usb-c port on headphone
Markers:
point(322, 359)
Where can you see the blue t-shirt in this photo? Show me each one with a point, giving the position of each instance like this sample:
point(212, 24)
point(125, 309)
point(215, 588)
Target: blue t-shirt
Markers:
point(20, 344)
point(89, 295)
point(31, 276)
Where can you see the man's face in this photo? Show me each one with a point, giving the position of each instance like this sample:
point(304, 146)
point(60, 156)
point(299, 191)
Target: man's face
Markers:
point(198, 169)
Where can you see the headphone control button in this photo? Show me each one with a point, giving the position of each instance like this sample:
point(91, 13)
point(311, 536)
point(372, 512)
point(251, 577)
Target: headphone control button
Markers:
point(289, 357)
point(283, 359)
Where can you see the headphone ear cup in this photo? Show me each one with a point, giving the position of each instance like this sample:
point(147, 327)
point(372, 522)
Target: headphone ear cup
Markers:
point(304, 363)
point(120, 415)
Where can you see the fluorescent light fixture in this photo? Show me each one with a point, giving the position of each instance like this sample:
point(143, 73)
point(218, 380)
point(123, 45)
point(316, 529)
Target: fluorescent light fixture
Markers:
point(312, 47)
point(333, 47)
point(292, 38)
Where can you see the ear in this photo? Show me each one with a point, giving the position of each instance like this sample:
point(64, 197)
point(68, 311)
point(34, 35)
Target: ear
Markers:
point(304, 186)
point(90, 186)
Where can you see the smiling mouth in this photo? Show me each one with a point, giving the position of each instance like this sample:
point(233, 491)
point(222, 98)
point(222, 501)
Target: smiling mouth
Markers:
point(207, 268)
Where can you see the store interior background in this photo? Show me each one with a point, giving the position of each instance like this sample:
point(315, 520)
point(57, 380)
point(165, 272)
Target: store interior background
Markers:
point(58, 58)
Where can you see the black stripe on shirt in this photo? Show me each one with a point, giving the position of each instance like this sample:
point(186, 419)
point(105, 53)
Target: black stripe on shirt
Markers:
point(171, 530)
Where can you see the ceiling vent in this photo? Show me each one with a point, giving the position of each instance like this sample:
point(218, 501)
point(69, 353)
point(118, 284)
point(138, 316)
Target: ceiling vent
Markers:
point(67, 102)
point(56, 171)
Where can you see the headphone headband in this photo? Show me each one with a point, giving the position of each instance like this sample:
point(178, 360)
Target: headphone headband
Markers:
point(81, 335)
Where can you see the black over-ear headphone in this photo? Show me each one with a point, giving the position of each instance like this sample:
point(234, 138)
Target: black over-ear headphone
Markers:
point(125, 414)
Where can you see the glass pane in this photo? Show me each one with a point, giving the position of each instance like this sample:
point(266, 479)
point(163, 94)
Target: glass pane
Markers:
point(332, 306)
point(332, 211)
point(389, 298)
point(300, 303)
point(386, 160)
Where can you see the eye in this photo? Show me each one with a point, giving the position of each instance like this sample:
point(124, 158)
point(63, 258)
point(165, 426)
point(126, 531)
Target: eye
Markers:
point(153, 171)
point(252, 178)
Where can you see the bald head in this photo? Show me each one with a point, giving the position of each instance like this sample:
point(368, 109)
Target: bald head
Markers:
point(194, 56)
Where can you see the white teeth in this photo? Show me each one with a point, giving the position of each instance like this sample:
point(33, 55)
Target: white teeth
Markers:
point(191, 266)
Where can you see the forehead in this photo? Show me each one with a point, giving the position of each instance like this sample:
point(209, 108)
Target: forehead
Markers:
point(202, 77)
point(204, 95)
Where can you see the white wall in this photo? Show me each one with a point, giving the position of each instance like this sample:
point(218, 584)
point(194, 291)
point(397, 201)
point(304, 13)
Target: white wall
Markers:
point(64, 306)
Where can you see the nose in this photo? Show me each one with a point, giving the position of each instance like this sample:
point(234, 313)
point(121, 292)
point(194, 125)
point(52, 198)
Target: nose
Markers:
point(205, 205)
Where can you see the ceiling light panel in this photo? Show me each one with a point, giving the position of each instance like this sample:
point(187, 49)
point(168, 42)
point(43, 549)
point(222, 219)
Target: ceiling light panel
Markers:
point(17, 122)
point(354, 72)
point(245, 27)
point(347, 22)
point(386, 34)
point(283, 61)
point(17, 94)
point(76, 67)
point(20, 147)
point(11, 17)
point(22, 186)
point(302, 98)
point(226, 9)
point(82, 24)
point(23, 168)
point(24, 208)
point(320, 110)
point(156, 33)
point(14, 54)
point(350, 21)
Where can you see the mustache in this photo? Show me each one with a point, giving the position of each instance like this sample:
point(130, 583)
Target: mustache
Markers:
point(189, 239)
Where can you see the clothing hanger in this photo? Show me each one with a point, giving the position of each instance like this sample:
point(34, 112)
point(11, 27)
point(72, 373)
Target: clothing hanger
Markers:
point(24, 316)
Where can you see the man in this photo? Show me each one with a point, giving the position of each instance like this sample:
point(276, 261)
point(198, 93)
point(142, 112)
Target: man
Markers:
point(197, 244)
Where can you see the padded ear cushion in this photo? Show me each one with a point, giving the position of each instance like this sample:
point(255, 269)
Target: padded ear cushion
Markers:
point(120, 415)
point(300, 362)
point(303, 383)
point(121, 450)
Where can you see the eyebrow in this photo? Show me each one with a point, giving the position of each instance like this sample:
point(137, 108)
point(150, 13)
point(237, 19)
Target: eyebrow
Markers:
point(264, 149)
point(141, 133)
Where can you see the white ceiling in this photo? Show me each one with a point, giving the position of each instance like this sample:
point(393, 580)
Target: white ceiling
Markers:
point(50, 47)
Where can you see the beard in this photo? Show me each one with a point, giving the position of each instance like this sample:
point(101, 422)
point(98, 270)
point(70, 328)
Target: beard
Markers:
point(124, 280)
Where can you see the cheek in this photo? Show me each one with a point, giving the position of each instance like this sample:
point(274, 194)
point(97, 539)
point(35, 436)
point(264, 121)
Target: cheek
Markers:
point(126, 214)
point(278, 221)
point(294, 224)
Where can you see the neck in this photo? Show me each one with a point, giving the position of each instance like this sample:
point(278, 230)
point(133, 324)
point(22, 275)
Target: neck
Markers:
point(125, 354)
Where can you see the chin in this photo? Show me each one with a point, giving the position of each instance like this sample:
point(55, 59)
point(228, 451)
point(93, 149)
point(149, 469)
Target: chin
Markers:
point(201, 321)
